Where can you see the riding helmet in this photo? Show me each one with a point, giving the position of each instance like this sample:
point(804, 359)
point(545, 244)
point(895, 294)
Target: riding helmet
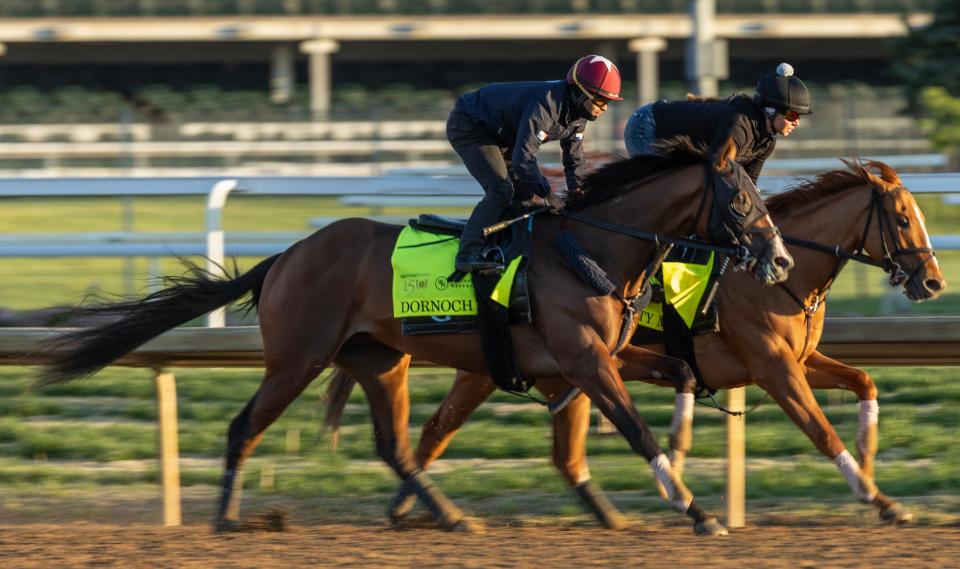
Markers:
point(595, 77)
point(783, 91)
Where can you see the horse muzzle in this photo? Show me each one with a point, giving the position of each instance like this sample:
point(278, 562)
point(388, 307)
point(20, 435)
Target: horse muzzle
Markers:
point(774, 267)
point(921, 288)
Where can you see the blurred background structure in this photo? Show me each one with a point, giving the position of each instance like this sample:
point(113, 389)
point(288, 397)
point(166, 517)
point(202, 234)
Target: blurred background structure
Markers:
point(119, 87)
point(132, 94)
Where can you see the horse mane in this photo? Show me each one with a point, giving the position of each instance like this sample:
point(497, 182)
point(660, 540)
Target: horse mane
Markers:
point(834, 182)
point(619, 176)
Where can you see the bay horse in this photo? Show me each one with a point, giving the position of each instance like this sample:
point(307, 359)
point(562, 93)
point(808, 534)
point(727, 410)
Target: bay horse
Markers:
point(327, 300)
point(768, 337)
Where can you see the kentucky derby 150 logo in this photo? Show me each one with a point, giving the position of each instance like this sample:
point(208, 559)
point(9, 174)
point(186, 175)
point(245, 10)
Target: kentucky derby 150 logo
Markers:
point(412, 283)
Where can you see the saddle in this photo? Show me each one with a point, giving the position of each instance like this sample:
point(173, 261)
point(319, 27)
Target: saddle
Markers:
point(511, 244)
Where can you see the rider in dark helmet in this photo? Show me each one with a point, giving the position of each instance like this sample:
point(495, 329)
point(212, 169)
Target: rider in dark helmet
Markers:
point(509, 121)
point(753, 122)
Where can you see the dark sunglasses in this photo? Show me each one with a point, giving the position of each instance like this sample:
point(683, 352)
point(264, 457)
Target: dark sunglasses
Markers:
point(791, 116)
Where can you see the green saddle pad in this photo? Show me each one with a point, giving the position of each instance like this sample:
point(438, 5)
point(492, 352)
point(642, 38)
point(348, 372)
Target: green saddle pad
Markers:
point(422, 261)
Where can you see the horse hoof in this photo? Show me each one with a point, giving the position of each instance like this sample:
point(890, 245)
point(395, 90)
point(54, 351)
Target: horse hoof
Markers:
point(614, 522)
point(402, 507)
point(709, 526)
point(467, 525)
point(896, 514)
point(226, 526)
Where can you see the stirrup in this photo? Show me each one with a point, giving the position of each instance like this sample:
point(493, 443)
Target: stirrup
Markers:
point(487, 261)
point(477, 264)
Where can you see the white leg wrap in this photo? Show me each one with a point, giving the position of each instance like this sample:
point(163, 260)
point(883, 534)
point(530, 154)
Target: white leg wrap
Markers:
point(583, 475)
point(851, 471)
point(869, 413)
point(867, 424)
point(682, 411)
point(661, 471)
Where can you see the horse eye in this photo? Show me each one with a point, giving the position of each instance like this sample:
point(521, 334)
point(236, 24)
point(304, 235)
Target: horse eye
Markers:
point(903, 222)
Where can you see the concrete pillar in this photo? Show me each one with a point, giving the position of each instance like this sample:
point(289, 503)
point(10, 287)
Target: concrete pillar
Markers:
point(319, 51)
point(648, 68)
point(700, 47)
point(282, 75)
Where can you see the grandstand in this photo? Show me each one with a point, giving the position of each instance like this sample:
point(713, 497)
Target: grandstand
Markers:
point(89, 8)
point(338, 86)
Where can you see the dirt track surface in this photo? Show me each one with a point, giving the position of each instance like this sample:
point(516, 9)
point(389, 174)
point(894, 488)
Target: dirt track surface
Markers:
point(88, 545)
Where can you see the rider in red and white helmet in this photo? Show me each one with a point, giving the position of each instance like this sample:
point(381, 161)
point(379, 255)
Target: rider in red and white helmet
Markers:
point(598, 81)
point(509, 121)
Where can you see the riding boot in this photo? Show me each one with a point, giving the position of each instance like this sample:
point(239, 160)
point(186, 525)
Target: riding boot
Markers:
point(470, 256)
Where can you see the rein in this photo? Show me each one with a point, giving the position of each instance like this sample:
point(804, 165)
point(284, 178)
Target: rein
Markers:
point(657, 238)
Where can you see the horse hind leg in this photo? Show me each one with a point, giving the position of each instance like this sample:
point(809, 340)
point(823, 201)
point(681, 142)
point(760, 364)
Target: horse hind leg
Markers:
point(279, 388)
point(382, 373)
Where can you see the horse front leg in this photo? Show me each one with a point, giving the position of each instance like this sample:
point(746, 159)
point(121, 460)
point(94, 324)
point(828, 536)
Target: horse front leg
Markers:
point(587, 364)
point(570, 427)
point(827, 373)
point(783, 378)
point(638, 364)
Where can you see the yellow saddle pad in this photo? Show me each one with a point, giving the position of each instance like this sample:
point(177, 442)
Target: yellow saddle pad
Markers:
point(683, 287)
point(422, 261)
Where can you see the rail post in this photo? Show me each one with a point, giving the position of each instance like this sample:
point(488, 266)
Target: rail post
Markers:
point(169, 446)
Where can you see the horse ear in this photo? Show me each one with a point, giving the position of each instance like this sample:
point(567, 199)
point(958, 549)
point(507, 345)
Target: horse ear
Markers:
point(727, 153)
point(886, 181)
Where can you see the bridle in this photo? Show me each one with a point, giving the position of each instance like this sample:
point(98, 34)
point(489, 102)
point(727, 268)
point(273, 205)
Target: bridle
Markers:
point(887, 229)
point(744, 259)
point(889, 264)
point(885, 225)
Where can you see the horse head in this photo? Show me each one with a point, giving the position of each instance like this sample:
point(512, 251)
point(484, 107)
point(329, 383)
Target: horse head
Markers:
point(739, 217)
point(895, 234)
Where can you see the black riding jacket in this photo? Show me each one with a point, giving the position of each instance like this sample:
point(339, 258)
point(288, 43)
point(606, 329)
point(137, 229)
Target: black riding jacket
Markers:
point(712, 122)
point(521, 117)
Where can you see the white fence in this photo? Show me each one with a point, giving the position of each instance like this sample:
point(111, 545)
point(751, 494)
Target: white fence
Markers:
point(428, 188)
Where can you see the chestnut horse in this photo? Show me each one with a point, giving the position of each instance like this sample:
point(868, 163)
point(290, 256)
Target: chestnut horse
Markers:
point(768, 337)
point(327, 300)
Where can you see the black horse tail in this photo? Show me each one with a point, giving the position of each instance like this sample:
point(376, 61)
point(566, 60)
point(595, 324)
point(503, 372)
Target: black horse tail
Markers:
point(88, 350)
point(335, 400)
